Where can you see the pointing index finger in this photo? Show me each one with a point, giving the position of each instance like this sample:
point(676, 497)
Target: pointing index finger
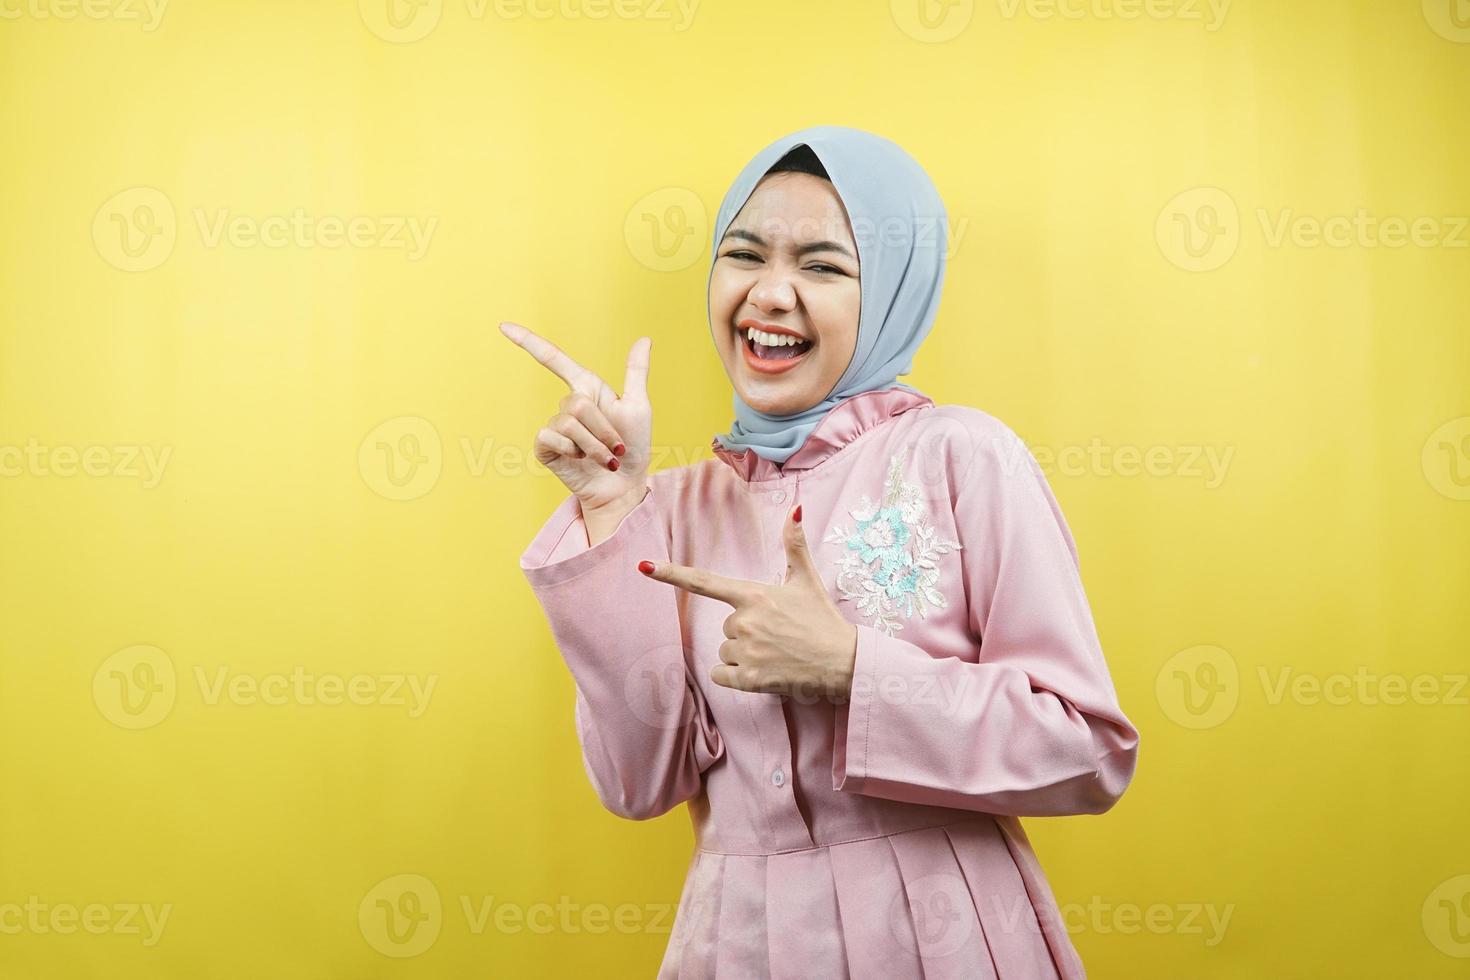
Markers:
point(736, 592)
point(551, 356)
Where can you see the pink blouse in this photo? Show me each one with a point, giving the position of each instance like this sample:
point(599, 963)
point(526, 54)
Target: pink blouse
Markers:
point(877, 837)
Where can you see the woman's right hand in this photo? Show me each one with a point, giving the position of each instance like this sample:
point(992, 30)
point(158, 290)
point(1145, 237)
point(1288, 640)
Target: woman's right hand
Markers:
point(578, 442)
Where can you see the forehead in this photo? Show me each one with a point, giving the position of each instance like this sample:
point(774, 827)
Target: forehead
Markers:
point(794, 207)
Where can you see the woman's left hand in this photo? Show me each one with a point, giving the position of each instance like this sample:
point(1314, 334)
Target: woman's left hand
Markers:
point(782, 639)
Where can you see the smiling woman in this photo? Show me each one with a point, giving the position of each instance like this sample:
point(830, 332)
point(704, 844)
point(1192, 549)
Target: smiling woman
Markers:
point(785, 286)
point(855, 793)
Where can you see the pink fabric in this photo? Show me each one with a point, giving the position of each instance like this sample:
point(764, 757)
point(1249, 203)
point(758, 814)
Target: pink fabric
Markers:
point(878, 837)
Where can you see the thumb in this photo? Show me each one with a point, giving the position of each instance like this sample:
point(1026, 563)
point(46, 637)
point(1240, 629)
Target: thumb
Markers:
point(801, 566)
point(635, 381)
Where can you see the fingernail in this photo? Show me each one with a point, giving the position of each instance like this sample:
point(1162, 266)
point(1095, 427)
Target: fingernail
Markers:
point(619, 449)
point(646, 567)
point(612, 464)
point(796, 515)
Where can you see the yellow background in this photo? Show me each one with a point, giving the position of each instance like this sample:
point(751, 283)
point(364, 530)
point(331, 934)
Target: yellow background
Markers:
point(1074, 152)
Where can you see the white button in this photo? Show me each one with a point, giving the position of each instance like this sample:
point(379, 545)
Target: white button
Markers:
point(779, 496)
point(778, 778)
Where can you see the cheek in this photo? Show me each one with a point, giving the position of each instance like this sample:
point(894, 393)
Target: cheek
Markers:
point(834, 316)
point(725, 290)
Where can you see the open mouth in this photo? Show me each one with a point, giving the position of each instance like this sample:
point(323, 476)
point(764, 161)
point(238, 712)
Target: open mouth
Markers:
point(774, 347)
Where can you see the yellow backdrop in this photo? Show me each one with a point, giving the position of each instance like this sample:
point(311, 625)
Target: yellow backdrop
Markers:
point(276, 699)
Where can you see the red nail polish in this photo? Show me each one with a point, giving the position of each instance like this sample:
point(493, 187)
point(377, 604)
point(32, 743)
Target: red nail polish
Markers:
point(619, 449)
point(612, 464)
point(797, 515)
point(646, 567)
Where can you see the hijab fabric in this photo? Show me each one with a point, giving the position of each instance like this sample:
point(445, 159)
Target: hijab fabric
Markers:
point(902, 231)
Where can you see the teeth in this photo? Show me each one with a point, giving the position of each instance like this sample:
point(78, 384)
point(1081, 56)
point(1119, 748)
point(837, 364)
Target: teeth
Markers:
point(771, 339)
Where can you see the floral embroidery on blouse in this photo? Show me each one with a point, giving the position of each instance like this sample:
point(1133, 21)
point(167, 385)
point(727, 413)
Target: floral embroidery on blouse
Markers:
point(891, 562)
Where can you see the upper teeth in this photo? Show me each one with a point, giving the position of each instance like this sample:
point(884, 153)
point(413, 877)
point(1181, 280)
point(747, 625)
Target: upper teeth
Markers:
point(772, 339)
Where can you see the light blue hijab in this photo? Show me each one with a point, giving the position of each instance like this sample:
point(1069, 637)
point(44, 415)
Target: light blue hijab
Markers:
point(902, 232)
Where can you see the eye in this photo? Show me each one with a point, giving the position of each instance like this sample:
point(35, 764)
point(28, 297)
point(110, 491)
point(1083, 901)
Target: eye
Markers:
point(743, 255)
point(826, 269)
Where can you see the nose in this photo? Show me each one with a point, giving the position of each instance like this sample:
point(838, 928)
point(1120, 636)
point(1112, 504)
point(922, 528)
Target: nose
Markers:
point(773, 291)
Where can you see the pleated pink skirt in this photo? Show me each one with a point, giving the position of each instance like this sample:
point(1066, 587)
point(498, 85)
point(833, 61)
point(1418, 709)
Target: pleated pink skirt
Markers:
point(964, 900)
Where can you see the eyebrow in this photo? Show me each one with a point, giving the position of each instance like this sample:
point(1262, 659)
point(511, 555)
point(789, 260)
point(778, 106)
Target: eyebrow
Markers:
point(823, 246)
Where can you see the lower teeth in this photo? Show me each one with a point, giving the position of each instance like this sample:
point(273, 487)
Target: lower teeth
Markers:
point(783, 353)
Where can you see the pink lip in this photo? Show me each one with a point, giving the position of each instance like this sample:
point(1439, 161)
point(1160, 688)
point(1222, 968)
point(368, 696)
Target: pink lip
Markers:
point(767, 367)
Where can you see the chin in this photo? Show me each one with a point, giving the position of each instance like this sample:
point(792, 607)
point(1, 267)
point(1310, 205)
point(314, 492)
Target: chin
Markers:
point(772, 400)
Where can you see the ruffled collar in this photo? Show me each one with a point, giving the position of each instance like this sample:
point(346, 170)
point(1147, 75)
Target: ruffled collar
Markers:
point(841, 425)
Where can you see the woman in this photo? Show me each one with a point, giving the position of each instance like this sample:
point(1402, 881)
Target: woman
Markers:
point(855, 641)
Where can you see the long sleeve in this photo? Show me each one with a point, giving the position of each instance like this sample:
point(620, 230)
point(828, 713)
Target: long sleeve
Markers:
point(646, 733)
point(1033, 728)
